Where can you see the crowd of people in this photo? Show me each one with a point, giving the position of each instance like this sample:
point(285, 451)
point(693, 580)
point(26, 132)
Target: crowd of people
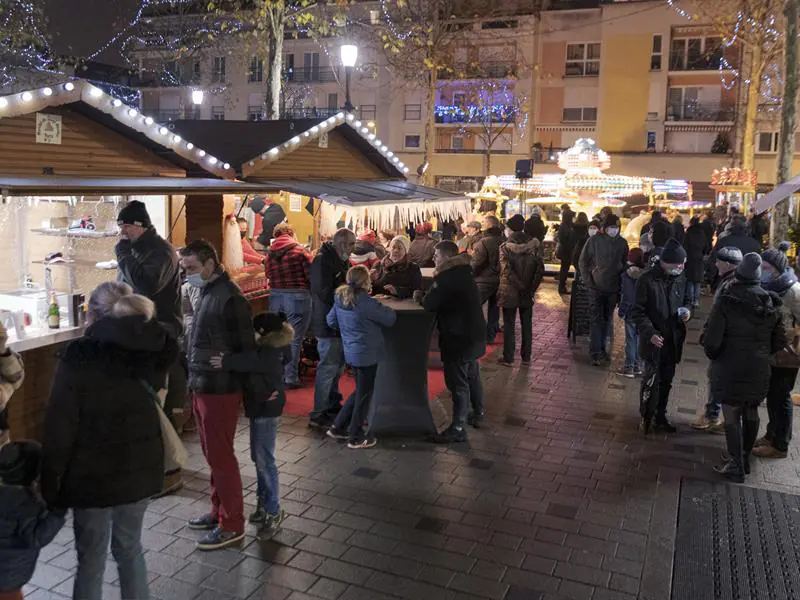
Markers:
point(176, 326)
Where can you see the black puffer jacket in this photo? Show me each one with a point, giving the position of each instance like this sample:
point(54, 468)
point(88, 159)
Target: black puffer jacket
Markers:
point(521, 271)
point(658, 298)
point(150, 266)
point(697, 247)
point(455, 299)
point(744, 330)
point(486, 260)
point(328, 271)
point(738, 237)
point(264, 369)
point(535, 228)
point(102, 436)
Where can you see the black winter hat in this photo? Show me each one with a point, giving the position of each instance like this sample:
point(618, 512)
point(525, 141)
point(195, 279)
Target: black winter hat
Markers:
point(134, 213)
point(673, 253)
point(776, 258)
point(257, 204)
point(750, 268)
point(516, 223)
point(611, 220)
point(20, 462)
point(268, 322)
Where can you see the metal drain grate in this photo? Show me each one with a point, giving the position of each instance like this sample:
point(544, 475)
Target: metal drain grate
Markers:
point(736, 543)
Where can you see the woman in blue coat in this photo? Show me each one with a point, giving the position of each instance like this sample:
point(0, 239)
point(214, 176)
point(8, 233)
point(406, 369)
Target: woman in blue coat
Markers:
point(360, 319)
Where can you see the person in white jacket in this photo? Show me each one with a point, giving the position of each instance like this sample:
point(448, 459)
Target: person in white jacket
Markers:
point(12, 374)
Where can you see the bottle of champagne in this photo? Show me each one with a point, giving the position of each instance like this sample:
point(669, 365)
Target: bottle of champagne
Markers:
point(53, 313)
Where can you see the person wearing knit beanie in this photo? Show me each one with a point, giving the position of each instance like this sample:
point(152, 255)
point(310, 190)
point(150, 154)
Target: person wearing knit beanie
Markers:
point(730, 254)
point(516, 223)
point(775, 261)
point(749, 270)
point(662, 331)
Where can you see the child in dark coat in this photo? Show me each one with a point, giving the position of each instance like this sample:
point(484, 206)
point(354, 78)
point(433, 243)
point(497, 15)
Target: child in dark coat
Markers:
point(627, 299)
point(264, 399)
point(26, 525)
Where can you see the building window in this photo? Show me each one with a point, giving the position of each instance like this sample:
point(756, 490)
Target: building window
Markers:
point(583, 60)
point(375, 17)
point(412, 112)
point(459, 98)
point(695, 54)
point(457, 143)
point(255, 113)
point(768, 141)
point(368, 112)
point(218, 113)
point(333, 101)
point(412, 141)
point(655, 56)
point(218, 73)
point(458, 184)
point(588, 113)
point(256, 72)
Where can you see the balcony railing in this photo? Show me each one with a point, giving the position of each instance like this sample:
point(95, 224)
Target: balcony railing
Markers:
point(679, 62)
point(309, 75)
point(152, 79)
point(162, 116)
point(310, 113)
point(701, 111)
point(487, 69)
point(447, 150)
point(546, 156)
point(496, 115)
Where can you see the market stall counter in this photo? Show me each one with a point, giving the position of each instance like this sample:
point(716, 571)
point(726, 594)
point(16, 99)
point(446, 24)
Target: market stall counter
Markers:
point(400, 401)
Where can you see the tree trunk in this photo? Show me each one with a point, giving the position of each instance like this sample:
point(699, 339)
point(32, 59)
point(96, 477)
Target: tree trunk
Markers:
point(430, 128)
point(487, 169)
point(275, 74)
point(752, 96)
point(781, 219)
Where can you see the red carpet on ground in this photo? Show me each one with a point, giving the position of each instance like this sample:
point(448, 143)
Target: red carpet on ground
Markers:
point(301, 401)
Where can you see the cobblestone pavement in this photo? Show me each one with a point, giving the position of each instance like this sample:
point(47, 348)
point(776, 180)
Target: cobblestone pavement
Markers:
point(557, 497)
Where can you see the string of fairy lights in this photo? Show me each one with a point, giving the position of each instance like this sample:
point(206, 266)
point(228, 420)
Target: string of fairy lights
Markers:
point(23, 43)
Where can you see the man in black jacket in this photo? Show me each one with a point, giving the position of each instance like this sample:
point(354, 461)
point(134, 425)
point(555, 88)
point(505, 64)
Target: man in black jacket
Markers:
point(736, 235)
point(328, 271)
point(272, 215)
point(455, 299)
point(661, 310)
point(486, 267)
point(222, 325)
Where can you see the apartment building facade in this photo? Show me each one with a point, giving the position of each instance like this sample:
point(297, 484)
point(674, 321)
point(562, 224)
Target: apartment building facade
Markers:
point(656, 90)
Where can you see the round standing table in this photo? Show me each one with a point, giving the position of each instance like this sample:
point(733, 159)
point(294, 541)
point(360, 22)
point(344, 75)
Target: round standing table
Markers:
point(400, 404)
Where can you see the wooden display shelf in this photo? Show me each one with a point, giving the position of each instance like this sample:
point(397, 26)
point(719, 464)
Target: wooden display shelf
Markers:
point(76, 233)
point(75, 263)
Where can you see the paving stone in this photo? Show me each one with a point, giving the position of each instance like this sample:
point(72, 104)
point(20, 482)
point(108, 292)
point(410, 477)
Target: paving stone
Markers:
point(287, 577)
point(270, 551)
point(330, 589)
point(321, 546)
point(48, 576)
point(342, 571)
point(167, 588)
point(366, 473)
point(587, 575)
point(479, 586)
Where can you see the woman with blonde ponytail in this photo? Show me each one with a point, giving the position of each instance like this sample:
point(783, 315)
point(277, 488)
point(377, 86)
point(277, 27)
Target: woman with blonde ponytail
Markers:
point(360, 320)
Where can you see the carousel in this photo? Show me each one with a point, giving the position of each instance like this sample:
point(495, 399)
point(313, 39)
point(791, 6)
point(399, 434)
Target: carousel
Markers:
point(586, 186)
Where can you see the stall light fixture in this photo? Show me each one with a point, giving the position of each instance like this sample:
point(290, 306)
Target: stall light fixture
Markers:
point(332, 120)
point(116, 103)
point(384, 148)
point(350, 116)
point(189, 145)
point(201, 153)
point(226, 166)
point(148, 121)
point(3, 102)
point(371, 137)
point(163, 131)
point(47, 91)
point(274, 151)
point(69, 86)
point(176, 139)
point(212, 160)
point(357, 124)
point(364, 130)
point(296, 139)
point(95, 92)
point(340, 116)
point(26, 96)
point(197, 97)
point(132, 112)
point(395, 160)
point(306, 134)
point(371, 124)
point(314, 129)
point(377, 142)
point(390, 154)
point(405, 169)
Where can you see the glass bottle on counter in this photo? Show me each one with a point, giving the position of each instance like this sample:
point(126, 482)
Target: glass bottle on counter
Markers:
point(53, 313)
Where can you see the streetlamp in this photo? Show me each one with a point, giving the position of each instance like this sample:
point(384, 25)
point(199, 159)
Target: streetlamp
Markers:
point(349, 56)
point(197, 97)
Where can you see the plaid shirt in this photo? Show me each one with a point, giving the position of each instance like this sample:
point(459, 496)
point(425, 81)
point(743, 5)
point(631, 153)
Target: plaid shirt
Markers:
point(287, 265)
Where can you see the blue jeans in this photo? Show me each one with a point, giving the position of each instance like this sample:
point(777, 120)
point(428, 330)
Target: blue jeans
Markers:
point(602, 321)
point(122, 525)
point(327, 398)
point(296, 305)
point(693, 291)
point(714, 406)
point(463, 379)
point(631, 345)
point(263, 433)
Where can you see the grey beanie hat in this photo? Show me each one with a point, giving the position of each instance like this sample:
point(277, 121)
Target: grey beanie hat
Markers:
point(750, 268)
point(776, 258)
point(730, 254)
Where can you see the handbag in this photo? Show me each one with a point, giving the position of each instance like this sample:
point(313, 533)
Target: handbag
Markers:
point(175, 454)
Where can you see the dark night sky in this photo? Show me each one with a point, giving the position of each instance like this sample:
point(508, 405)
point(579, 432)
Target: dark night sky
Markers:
point(81, 26)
